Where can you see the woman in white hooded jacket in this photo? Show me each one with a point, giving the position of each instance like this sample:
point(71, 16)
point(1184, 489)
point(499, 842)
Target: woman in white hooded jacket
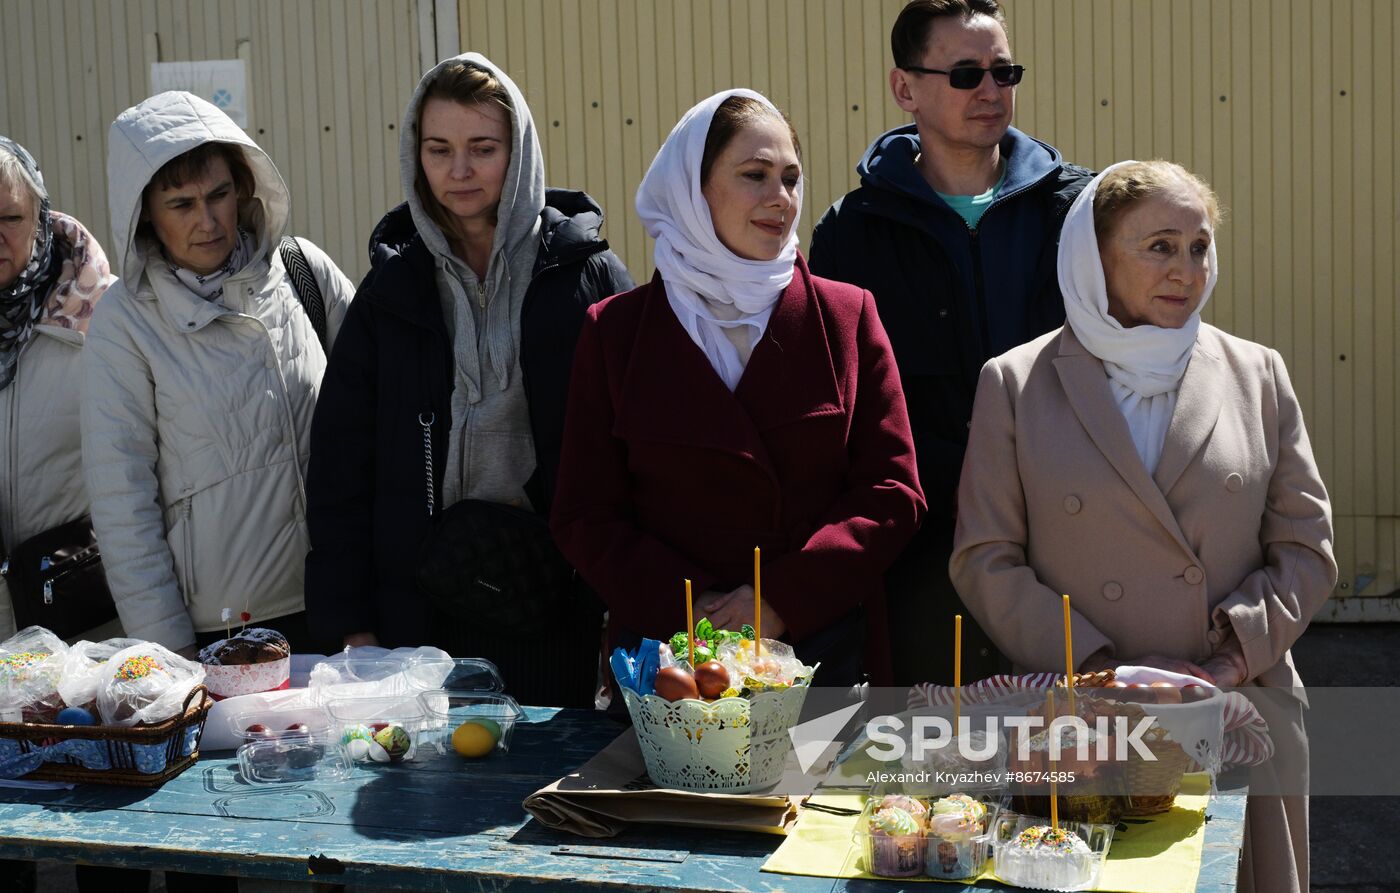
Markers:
point(201, 374)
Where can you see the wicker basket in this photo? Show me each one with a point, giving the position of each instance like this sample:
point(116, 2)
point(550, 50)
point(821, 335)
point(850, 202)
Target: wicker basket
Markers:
point(1105, 803)
point(1153, 786)
point(172, 746)
point(1098, 679)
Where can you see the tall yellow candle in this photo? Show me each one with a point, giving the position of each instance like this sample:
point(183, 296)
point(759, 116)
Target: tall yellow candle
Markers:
point(957, 671)
point(690, 624)
point(1054, 800)
point(757, 608)
point(1069, 658)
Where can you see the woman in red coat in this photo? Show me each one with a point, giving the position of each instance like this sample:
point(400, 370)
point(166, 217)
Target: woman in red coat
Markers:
point(737, 401)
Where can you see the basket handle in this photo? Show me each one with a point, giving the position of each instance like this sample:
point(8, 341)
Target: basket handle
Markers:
point(201, 690)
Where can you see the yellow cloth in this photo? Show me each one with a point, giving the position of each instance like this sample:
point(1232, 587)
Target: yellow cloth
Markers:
point(1156, 854)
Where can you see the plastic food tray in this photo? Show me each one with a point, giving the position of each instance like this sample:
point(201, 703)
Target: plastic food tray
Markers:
point(448, 710)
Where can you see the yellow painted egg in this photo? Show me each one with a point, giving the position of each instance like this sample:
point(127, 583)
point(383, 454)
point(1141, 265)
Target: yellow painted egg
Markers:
point(473, 739)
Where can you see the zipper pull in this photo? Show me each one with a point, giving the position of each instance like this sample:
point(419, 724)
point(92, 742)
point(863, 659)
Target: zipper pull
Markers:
point(481, 294)
point(48, 592)
point(45, 563)
point(5, 568)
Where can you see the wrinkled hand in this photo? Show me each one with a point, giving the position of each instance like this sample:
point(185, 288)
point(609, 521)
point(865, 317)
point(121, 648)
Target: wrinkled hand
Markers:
point(1227, 666)
point(731, 610)
point(1099, 660)
point(356, 640)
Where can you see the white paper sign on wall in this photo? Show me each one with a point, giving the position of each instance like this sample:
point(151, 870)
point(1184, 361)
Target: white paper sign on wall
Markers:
point(224, 82)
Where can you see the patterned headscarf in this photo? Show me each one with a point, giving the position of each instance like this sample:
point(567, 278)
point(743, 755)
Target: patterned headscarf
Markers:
point(21, 302)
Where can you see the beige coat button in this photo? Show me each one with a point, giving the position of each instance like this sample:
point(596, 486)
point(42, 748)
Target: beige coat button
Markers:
point(1112, 591)
point(1234, 482)
point(1214, 636)
point(1194, 575)
point(1073, 505)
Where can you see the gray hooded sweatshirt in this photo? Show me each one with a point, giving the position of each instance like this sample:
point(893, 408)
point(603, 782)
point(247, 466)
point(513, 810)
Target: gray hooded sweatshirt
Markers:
point(491, 453)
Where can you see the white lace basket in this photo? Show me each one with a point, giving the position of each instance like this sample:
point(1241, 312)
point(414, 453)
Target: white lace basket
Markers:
point(732, 745)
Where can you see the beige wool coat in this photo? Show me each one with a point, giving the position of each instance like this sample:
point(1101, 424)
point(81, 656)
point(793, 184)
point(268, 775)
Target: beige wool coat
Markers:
point(1233, 531)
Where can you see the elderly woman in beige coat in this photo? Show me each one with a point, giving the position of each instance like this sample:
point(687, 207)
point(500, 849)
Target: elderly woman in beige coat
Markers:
point(1156, 469)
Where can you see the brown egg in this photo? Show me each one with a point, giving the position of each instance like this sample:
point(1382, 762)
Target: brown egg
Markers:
point(1193, 692)
point(1166, 693)
point(673, 684)
point(1136, 692)
point(711, 679)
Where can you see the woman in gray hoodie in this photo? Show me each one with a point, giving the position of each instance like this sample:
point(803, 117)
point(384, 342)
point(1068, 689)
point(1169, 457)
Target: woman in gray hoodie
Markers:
point(451, 377)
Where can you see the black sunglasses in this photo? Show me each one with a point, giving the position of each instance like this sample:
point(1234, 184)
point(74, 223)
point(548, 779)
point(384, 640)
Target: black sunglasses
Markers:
point(968, 77)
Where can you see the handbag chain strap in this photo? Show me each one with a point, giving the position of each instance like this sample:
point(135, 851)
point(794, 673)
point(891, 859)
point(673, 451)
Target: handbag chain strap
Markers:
point(428, 453)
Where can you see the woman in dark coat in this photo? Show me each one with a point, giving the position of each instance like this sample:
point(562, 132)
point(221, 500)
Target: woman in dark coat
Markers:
point(450, 378)
point(737, 401)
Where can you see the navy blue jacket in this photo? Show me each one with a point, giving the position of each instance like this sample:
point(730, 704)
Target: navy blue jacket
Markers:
point(392, 364)
point(950, 298)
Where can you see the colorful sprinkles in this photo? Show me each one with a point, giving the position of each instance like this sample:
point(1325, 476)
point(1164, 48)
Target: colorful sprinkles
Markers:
point(1047, 837)
point(13, 666)
point(138, 667)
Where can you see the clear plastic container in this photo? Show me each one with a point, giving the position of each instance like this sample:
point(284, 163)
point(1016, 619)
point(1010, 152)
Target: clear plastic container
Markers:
point(345, 676)
point(294, 759)
point(1024, 859)
point(266, 723)
point(454, 674)
point(377, 730)
point(448, 711)
point(956, 842)
point(890, 855)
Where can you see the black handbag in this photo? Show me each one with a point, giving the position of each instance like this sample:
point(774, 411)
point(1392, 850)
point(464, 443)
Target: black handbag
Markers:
point(56, 581)
point(497, 566)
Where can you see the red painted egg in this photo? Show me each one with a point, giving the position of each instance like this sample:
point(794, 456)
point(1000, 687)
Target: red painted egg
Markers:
point(1193, 692)
point(712, 679)
point(674, 684)
point(1166, 693)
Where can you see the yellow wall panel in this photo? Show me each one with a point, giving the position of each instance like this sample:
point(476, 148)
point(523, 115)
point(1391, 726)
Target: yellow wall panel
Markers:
point(1247, 93)
point(327, 81)
point(1288, 107)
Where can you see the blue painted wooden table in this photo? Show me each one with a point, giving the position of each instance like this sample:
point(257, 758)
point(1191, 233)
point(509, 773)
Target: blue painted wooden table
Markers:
point(433, 825)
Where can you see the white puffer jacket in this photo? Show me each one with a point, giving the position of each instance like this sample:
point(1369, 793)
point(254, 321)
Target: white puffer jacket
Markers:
point(196, 414)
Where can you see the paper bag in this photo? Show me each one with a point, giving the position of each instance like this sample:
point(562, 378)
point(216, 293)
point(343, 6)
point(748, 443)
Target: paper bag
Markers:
point(612, 790)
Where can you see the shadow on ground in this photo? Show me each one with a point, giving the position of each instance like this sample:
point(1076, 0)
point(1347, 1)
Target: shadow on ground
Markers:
point(1348, 855)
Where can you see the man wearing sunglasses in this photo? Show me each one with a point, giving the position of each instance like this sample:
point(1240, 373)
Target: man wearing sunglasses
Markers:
point(954, 230)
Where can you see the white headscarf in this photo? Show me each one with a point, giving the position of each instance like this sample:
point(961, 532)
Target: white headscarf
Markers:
point(1144, 363)
point(709, 287)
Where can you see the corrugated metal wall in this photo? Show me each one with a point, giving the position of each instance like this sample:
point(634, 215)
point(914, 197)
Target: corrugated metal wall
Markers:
point(327, 81)
point(1288, 107)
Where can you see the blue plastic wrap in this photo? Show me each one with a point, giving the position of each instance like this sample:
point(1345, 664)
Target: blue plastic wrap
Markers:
point(637, 670)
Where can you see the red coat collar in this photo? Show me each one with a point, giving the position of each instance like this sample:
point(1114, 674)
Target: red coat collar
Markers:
point(670, 393)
